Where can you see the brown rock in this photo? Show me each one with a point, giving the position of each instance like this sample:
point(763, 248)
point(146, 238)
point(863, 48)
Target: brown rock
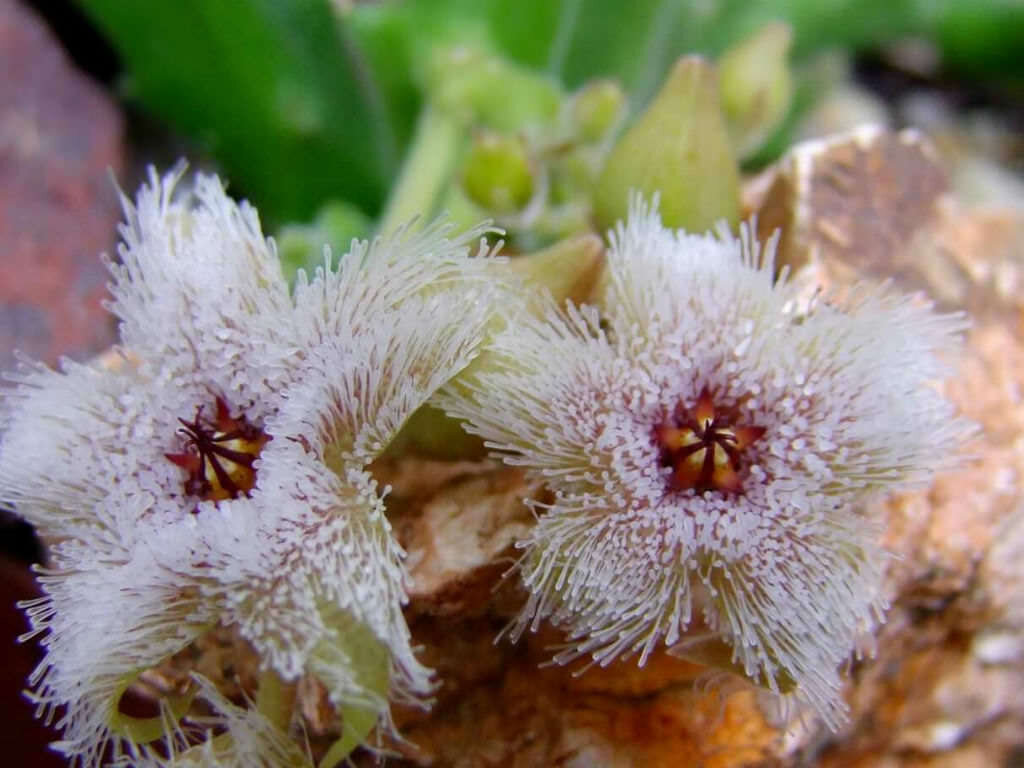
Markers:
point(60, 139)
point(464, 540)
point(852, 203)
point(947, 682)
point(984, 250)
point(524, 714)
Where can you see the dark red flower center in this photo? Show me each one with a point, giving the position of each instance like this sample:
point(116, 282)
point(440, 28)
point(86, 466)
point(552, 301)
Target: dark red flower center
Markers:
point(219, 454)
point(705, 449)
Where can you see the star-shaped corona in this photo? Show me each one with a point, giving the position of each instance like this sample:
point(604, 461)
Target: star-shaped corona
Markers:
point(217, 477)
point(707, 442)
point(220, 456)
point(704, 450)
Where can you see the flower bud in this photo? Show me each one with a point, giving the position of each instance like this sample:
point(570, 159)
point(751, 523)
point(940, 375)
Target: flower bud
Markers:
point(497, 173)
point(485, 88)
point(678, 148)
point(756, 86)
point(596, 109)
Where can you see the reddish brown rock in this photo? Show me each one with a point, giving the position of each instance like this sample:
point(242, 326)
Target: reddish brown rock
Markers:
point(60, 139)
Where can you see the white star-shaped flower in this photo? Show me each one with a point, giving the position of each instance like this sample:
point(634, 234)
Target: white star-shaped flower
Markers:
point(219, 476)
point(708, 446)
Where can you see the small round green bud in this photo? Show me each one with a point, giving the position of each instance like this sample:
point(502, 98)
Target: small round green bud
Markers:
point(497, 173)
point(596, 109)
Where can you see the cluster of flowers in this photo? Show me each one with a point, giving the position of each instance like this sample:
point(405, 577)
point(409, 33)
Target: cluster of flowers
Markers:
point(706, 441)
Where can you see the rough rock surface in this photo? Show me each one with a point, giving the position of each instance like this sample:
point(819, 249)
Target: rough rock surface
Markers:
point(60, 139)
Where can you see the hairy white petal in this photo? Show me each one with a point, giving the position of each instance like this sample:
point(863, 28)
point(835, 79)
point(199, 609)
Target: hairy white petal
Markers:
point(195, 267)
point(104, 623)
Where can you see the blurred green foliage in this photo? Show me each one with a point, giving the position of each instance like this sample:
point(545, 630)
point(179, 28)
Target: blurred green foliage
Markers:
point(303, 102)
point(276, 90)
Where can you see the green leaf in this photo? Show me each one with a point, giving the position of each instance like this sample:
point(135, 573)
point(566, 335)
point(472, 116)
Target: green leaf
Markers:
point(982, 38)
point(280, 93)
point(302, 104)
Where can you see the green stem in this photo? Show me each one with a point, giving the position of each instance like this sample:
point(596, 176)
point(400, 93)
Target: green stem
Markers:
point(356, 724)
point(425, 171)
point(368, 663)
point(275, 699)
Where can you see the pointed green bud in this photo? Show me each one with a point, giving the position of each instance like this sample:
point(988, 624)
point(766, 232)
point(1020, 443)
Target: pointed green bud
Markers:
point(596, 109)
point(756, 84)
point(679, 148)
point(497, 173)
